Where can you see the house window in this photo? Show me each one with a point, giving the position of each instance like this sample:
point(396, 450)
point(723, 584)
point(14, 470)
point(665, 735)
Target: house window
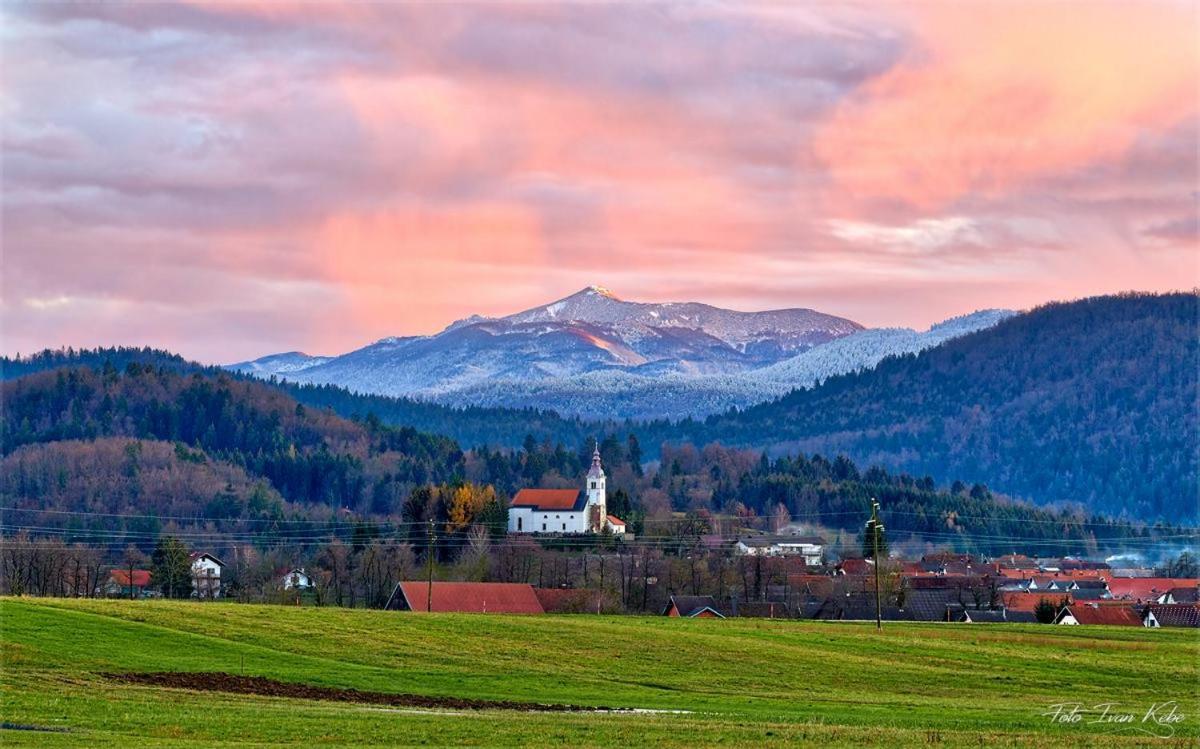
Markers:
point(593, 484)
point(520, 522)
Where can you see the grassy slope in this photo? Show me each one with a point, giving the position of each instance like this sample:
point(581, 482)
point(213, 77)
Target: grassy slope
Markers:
point(746, 682)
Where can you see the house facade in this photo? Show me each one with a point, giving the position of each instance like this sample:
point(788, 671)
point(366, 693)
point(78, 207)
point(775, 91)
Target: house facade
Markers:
point(296, 579)
point(566, 511)
point(206, 575)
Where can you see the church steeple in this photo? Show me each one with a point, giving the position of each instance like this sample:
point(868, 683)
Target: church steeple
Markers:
point(597, 470)
point(597, 498)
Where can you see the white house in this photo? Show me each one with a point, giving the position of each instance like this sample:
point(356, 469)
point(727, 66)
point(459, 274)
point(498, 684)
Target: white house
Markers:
point(206, 575)
point(565, 510)
point(812, 548)
point(296, 579)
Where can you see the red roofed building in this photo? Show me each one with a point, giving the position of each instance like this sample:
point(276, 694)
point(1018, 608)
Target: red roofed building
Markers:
point(1145, 589)
point(119, 585)
point(565, 510)
point(1173, 615)
point(1022, 601)
point(466, 598)
point(1084, 613)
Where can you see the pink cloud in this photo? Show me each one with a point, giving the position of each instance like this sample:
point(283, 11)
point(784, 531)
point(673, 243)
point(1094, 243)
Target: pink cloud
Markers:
point(997, 94)
point(238, 178)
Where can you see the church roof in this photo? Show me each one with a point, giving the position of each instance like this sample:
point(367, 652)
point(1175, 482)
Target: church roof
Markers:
point(550, 499)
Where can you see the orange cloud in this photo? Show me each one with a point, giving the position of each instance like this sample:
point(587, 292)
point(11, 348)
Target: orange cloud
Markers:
point(996, 95)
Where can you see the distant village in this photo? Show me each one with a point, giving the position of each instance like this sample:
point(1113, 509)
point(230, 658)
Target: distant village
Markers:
point(564, 552)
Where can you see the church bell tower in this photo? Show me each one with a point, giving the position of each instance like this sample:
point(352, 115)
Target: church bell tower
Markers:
point(597, 504)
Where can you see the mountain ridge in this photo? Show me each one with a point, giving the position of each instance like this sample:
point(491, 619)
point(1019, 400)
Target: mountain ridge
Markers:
point(590, 331)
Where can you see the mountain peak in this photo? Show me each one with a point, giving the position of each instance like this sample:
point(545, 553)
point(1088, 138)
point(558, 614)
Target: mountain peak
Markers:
point(594, 290)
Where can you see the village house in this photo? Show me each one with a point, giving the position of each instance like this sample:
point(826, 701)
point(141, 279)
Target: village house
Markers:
point(1180, 595)
point(206, 575)
point(566, 510)
point(296, 579)
point(1172, 615)
point(703, 607)
point(465, 598)
point(1093, 613)
point(810, 548)
point(981, 616)
point(121, 585)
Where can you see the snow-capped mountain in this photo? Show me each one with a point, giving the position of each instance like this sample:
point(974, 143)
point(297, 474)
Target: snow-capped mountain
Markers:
point(589, 331)
point(619, 394)
point(597, 356)
point(280, 364)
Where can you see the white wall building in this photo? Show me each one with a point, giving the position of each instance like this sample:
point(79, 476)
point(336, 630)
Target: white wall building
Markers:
point(812, 548)
point(565, 510)
point(296, 579)
point(206, 576)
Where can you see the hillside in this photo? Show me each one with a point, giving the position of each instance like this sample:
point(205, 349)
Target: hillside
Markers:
point(252, 433)
point(731, 682)
point(468, 425)
point(1092, 401)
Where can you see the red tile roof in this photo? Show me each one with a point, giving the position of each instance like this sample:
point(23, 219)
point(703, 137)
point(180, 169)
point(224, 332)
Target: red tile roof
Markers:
point(547, 499)
point(1123, 616)
point(614, 520)
point(1145, 588)
point(476, 598)
point(1021, 601)
point(141, 578)
point(1176, 614)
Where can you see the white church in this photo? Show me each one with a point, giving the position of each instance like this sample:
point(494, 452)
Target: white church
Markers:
point(565, 510)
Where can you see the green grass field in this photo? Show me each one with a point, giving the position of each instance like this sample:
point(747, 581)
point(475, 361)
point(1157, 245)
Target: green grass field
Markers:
point(742, 682)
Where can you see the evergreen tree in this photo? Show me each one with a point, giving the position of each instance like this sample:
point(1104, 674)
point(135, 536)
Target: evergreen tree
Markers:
point(171, 568)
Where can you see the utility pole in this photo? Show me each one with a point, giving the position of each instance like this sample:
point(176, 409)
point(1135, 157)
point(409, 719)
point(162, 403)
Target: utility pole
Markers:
point(429, 564)
point(876, 529)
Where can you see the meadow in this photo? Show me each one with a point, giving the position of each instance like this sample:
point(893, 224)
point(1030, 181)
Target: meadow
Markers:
point(671, 682)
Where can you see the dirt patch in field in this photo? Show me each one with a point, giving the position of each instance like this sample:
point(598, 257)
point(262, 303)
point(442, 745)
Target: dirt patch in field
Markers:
point(258, 685)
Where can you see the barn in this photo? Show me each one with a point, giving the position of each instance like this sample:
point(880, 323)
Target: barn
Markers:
point(465, 598)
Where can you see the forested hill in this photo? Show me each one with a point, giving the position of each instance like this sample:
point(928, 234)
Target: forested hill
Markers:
point(1093, 401)
point(310, 456)
point(113, 457)
point(472, 425)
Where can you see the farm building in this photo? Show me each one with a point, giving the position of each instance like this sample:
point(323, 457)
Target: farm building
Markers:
point(121, 585)
point(1090, 613)
point(704, 607)
point(468, 598)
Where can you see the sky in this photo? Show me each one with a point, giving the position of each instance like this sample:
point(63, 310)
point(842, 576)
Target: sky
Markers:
point(233, 179)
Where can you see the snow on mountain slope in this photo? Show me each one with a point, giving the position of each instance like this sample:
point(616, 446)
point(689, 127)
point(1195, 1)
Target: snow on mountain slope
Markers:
point(597, 356)
point(279, 364)
point(628, 394)
point(589, 331)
